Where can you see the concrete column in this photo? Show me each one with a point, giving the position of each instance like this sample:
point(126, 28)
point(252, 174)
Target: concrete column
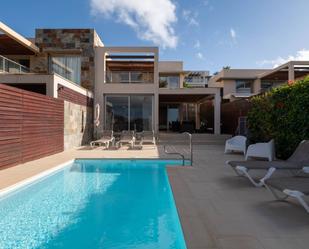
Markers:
point(98, 87)
point(217, 112)
point(291, 72)
point(257, 86)
point(52, 87)
point(156, 112)
point(156, 91)
point(197, 116)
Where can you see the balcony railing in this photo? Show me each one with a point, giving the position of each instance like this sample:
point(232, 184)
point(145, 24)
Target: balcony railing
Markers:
point(9, 66)
point(246, 90)
point(129, 77)
point(195, 82)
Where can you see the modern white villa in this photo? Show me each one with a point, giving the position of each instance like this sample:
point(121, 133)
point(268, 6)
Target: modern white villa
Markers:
point(65, 97)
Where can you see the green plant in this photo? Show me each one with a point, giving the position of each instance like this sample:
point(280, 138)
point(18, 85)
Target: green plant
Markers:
point(282, 114)
point(186, 85)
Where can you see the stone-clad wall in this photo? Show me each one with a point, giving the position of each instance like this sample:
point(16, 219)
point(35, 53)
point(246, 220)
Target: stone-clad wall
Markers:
point(77, 125)
point(66, 42)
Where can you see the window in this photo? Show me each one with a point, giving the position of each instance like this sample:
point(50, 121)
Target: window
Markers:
point(126, 112)
point(129, 77)
point(244, 86)
point(171, 81)
point(268, 84)
point(68, 67)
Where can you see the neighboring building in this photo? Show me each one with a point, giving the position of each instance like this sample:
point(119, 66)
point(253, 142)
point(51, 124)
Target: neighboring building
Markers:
point(58, 63)
point(244, 83)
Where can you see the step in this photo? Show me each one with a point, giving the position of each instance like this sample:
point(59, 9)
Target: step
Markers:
point(178, 139)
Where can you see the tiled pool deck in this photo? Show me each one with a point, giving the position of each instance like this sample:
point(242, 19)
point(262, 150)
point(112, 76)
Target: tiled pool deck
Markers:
point(217, 209)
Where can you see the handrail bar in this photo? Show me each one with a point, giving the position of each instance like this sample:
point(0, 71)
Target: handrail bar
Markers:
point(175, 153)
point(179, 154)
point(190, 146)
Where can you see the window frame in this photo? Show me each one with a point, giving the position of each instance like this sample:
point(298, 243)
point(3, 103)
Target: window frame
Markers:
point(62, 55)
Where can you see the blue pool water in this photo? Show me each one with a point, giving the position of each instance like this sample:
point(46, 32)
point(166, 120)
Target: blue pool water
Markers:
point(112, 204)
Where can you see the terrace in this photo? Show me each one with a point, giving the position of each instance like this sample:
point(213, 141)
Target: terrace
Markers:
point(217, 209)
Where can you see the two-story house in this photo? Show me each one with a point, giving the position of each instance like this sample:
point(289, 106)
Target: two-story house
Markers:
point(132, 88)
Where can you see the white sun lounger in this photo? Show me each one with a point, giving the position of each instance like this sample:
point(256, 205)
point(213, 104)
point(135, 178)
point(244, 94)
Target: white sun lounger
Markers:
point(148, 137)
point(107, 139)
point(297, 163)
point(126, 137)
point(294, 187)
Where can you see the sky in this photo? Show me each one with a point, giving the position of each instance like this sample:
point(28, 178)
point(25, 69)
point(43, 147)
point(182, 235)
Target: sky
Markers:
point(205, 34)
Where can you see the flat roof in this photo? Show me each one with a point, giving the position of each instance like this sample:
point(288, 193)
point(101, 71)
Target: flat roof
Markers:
point(226, 74)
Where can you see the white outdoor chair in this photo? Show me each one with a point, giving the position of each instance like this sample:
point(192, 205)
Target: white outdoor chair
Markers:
point(237, 143)
point(262, 150)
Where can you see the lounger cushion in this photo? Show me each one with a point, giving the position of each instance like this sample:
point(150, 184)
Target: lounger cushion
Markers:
point(292, 183)
point(254, 164)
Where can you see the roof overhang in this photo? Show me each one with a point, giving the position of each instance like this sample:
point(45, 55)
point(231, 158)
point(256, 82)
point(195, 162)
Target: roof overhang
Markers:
point(184, 98)
point(12, 43)
point(301, 69)
point(238, 74)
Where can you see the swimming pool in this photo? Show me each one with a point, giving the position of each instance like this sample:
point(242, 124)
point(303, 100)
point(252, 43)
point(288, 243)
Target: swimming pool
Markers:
point(113, 204)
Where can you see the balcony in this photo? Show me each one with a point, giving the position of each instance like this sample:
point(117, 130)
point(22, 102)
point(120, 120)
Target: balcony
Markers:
point(9, 66)
point(244, 90)
point(196, 79)
point(129, 77)
point(199, 83)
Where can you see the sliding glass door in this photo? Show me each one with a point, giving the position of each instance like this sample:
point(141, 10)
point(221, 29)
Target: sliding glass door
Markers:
point(141, 113)
point(129, 112)
point(117, 113)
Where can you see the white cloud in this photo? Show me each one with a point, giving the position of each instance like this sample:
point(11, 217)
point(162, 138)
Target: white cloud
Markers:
point(197, 44)
point(233, 34)
point(190, 17)
point(153, 20)
point(200, 56)
point(301, 55)
point(207, 3)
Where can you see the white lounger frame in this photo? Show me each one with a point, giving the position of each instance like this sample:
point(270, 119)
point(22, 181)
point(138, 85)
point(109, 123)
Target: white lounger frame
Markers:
point(244, 171)
point(298, 195)
point(106, 143)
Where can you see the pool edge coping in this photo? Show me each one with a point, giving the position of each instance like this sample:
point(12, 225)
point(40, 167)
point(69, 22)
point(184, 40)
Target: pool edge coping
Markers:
point(33, 178)
point(29, 180)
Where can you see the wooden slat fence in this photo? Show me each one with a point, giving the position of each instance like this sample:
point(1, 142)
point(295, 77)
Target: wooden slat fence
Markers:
point(230, 112)
point(31, 126)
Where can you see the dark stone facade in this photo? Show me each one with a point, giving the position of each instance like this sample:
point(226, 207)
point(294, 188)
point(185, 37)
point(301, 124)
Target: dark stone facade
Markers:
point(67, 42)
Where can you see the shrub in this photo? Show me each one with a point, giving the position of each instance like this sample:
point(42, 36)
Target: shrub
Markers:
point(282, 114)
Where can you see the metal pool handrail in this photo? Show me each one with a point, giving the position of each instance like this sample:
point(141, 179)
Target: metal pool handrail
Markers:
point(179, 154)
point(190, 146)
point(175, 153)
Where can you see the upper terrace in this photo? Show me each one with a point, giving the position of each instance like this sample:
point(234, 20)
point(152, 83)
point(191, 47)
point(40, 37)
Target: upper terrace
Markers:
point(173, 76)
point(129, 68)
point(42, 63)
